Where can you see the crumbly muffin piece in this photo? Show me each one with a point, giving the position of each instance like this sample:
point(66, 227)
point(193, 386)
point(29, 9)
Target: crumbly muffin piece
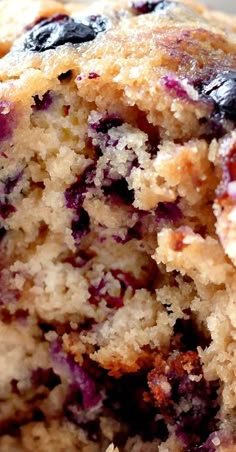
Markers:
point(117, 206)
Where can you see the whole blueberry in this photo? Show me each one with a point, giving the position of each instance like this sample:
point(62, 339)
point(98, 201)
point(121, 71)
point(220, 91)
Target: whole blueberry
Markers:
point(222, 89)
point(56, 31)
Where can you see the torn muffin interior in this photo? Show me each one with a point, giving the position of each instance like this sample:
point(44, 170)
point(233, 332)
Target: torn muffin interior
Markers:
point(117, 233)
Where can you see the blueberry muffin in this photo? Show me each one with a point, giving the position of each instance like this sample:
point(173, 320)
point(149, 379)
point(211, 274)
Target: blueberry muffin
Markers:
point(118, 230)
point(12, 25)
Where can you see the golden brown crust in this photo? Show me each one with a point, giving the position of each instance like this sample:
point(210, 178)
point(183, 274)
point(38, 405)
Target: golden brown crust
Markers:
point(190, 48)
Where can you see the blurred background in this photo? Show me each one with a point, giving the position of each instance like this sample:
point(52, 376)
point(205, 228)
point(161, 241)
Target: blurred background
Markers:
point(224, 5)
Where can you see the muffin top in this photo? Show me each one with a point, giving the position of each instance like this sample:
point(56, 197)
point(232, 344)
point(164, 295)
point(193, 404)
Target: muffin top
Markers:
point(170, 59)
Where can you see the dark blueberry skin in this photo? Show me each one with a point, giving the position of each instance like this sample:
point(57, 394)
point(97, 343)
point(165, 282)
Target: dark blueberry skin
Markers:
point(99, 292)
point(74, 198)
point(65, 76)
point(80, 225)
point(45, 377)
point(194, 424)
point(11, 182)
point(145, 7)
point(222, 90)
point(59, 30)
point(132, 233)
point(125, 398)
point(6, 209)
point(118, 192)
point(107, 123)
point(2, 233)
point(42, 103)
point(168, 211)
point(93, 75)
point(75, 194)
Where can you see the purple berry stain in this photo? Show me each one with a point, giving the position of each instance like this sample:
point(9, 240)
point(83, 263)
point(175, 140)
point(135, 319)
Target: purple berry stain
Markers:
point(93, 75)
point(173, 85)
point(43, 102)
point(74, 198)
point(6, 209)
point(132, 233)
point(45, 377)
point(223, 438)
point(168, 211)
point(80, 379)
point(11, 182)
point(75, 194)
point(7, 119)
point(80, 225)
point(228, 173)
point(182, 375)
point(145, 7)
point(105, 124)
point(99, 292)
